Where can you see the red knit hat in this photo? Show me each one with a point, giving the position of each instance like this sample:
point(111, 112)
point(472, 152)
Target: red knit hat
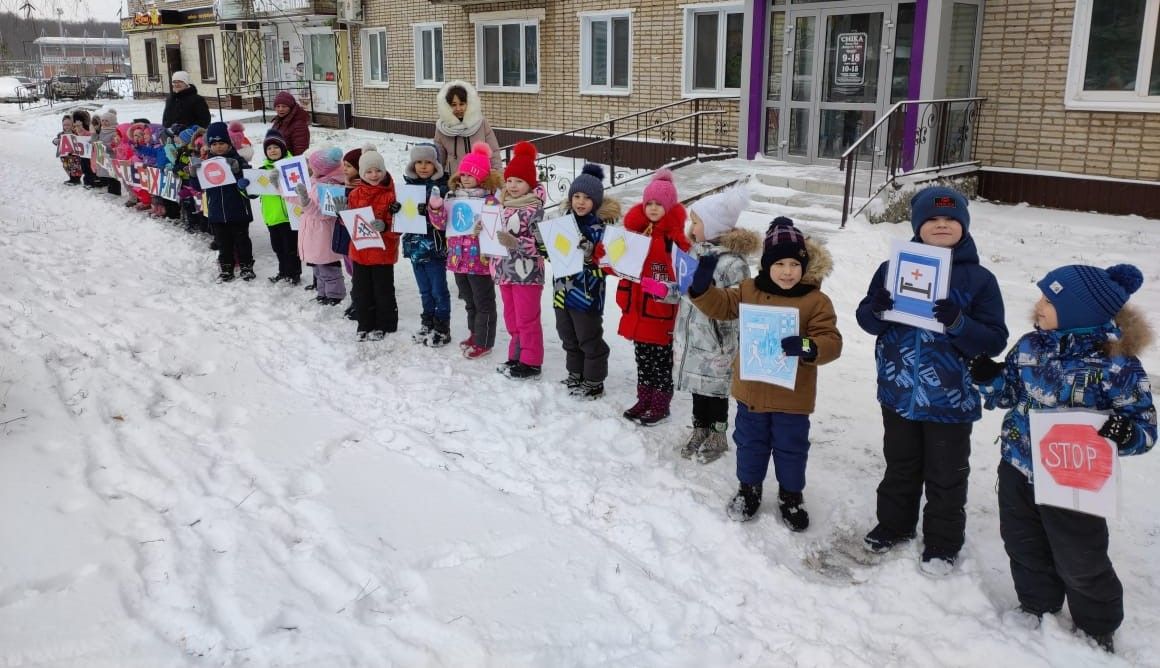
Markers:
point(523, 164)
point(352, 156)
point(661, 190)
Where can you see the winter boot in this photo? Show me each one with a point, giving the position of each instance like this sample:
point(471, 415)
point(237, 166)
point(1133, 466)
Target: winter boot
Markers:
point(793, 510)
point(714, 445)
point(523, 371)
point(440, 333)
point(880, 539)
point(474, 352)
point(938, 562)
point(700, 433)
point(424, 333)
point(657, 410)
point(588, 389)
point(573, 381)
point(467, 343)
point(226, 273)
point(247, 272)
point(506, 367)
point(1104, 640)
point(643, 396)
point(745, 503)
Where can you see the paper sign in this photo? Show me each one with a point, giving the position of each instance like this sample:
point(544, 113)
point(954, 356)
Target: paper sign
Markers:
point(462, 212)
point(761, 356)
point(101, 157)
point(260, 182)
point(170, 186)
point(327, 194)
point(917, 276)
point(362, 234)
point(1074, 466)
point(408, 220)
point(82, 147)
point(291, 172)
point(490, 217)
point(684, 265)
point(215, 173)
point(65, 145)
point(625, 250)
point(562, 239)
point(294, 211)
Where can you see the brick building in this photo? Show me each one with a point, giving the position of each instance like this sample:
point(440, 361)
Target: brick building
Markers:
point(182, 36)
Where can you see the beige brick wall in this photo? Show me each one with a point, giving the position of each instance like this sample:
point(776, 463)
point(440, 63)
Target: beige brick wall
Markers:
point(1022, 73)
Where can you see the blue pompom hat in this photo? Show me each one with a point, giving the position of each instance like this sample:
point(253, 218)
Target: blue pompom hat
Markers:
point(1085, 296)
point(217, 131)
point(939, 201)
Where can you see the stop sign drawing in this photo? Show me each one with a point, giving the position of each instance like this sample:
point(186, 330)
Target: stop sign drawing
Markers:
point(215, 173)
point(1076, 456)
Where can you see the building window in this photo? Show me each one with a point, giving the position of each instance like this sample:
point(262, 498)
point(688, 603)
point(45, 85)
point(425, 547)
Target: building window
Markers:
point(605, 52)
point(205, 57)
point(713, 41)
point(429, 55)
point(151, 60)
point(508, 55)
point(323, 57)
point(374, 53)
point(1115, 56)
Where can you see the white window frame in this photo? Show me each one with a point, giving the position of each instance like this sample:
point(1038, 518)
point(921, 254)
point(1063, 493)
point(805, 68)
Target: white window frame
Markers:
point(209, 76)
point(1075, 97)
point(498, 20)
point(688, 52)
point(586, 20)
point(417, 32)
point(380, 35)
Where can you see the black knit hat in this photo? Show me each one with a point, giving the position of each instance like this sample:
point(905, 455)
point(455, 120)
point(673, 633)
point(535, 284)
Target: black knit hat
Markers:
point(783, 240)
point(276, 138)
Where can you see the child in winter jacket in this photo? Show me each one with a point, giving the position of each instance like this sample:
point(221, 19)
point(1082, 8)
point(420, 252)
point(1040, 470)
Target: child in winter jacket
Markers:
point(1082, 354)
point(228, 209)
point(428, 251)
point(477, 179)
point(578, 300)
point(773, 420)
point(520, 275)
point(140, 140)
point(340, 243)
point(71, 163)
point(81, 123)
point(648, 319)
point(316, 230)
point(241, 141)
point(928, 401)
point(704, 348)
point(185, 167)
point(109, 137)
point(283, 237)
point(374, 268)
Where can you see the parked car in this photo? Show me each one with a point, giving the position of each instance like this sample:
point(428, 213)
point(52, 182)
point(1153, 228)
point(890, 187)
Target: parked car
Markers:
point(65, 87)
point(13, 90)
point(115, 88)
point(32, 86)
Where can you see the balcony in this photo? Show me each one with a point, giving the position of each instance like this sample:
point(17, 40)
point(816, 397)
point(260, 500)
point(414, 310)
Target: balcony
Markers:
point(277, 8)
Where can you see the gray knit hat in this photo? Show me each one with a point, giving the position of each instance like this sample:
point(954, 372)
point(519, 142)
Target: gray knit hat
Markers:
point(424, 151)
point(591, 183)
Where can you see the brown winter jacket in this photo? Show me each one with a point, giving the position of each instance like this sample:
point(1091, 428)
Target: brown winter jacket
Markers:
point(819, 322)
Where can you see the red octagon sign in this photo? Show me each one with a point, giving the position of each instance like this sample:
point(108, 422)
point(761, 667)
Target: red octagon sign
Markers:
point(214, 173)
point(1076, 456)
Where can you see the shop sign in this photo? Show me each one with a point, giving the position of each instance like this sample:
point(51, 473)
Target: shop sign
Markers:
point(850, 65)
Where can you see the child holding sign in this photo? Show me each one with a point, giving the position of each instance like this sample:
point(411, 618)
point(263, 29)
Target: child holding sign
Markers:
point(373, 290)
point(775, 420)
point(928, 402)
point(428, 252)
point(70, 162)
point(228, 208)
point(1082, 354)
point(317, 228)
point(283, 238)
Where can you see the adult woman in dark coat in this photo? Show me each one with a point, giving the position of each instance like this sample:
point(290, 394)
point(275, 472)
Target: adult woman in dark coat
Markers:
point(292, 122)
point(184, 105)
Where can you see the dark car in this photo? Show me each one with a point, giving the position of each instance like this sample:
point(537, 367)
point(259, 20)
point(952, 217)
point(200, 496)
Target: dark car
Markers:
point(65, 87)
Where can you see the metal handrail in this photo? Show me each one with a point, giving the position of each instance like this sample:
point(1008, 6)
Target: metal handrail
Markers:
point(695, 114)
point(885, 117)
point(260, 88)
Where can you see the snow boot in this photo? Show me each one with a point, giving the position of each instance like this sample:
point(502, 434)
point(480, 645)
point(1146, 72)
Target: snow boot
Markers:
point(643, 396)
point(247, 272)
point(714, 445)
point(1104, 641)
point(657, 410)
point(467, 343)
point(440, 333)
point(938, 562)
point(573, 381)
point(506, 367)
point(700, 433)
point(793, 511)
point(881, 540)
point(588, 389)
point(474, 352)
point(745, 503)
point(226, 273)
point(428, 325)
point(521, 371)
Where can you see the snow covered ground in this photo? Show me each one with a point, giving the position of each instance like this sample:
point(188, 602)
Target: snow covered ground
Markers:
point(194, 474)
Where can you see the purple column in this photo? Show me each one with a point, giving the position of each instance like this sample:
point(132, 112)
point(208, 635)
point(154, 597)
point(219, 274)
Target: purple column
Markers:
point(914, 85)
point(757, 67)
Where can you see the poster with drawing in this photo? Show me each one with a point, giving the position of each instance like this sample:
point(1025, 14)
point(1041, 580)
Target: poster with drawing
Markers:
point(562, 239)
point(684, 266)
point(490, 217)
point(294, 211)
point(291, 172)
point(327, 195)
point(261, 182)
point(625, 251)
point(761, 356)
point(1074, 467)
point(362, 234)
point(215, 173)
point(917, 276)
point(462, 212)
point(408, 220)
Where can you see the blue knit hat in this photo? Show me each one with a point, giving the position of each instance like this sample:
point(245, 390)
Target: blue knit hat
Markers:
point(187, 134)
point(938, 201)
point(1085, 296)
point(217, 132)
point(591, 183)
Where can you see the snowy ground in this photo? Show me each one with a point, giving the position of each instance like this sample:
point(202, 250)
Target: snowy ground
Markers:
point(194, 474)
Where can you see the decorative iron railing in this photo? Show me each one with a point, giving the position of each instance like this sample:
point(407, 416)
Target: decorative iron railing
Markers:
point(259, 96)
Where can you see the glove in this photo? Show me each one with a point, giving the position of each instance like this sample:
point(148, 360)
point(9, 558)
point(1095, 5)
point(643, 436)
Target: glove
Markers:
point(880, 300)
point(587, 247)
point(799, 346)
point(394, 208)
point(658, 289)
point(507, 239)
point(303, 194)
point(422, 209)
point(234, 167)
point(435, 201)
point(703, 276)
point(947, 312)
point(379, 225)
point(1119, 430)
point(340, 204)
point(983, 369)
point(243, 184)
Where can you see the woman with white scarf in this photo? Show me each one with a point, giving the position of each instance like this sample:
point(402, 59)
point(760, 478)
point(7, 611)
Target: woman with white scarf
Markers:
point(461, 124)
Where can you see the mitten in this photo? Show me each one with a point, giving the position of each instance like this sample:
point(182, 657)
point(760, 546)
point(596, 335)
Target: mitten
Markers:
point(340, 204)
point(703, 276)
point(243, 184)
point(434, 201)
point(983, 369)
point(507, 239)
point(1119, 430)
point(422, 209)
point(799, 346)
point(395, 207)
point(234, 166)
point(303, 194)
point(658, 289)
point(947, 312)
point(378, 225)
point(881, 300)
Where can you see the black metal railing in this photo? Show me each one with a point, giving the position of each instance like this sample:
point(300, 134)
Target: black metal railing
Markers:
point(144, 86)
point(915, 138)
point(633, 146)
point(259, 96)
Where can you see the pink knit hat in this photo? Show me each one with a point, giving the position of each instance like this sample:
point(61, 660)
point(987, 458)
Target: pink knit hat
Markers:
point(324, 161)
point(661, 190)
point(238, 134)
point(477, 163)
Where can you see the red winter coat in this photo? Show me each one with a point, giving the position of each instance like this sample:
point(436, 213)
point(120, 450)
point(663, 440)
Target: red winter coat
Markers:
point(645, 318)
point(379, 198)
point(294, 126)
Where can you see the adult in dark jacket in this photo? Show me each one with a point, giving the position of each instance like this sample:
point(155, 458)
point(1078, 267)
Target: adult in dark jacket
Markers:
point(184, 105)
point(292, 122)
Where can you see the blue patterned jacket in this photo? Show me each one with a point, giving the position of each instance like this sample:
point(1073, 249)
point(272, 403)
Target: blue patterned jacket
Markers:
point(432, 246)
point(1070, 369)
point(922, 375)
point(585, 291)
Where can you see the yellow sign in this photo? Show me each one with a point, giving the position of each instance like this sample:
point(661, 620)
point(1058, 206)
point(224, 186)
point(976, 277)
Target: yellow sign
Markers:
point(616, 249)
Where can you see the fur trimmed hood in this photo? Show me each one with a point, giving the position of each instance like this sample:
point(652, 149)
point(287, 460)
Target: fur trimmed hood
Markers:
point(609, 210)
point(739, 240)
point(821, 262)
point(448, 124)
point(1136, 335)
